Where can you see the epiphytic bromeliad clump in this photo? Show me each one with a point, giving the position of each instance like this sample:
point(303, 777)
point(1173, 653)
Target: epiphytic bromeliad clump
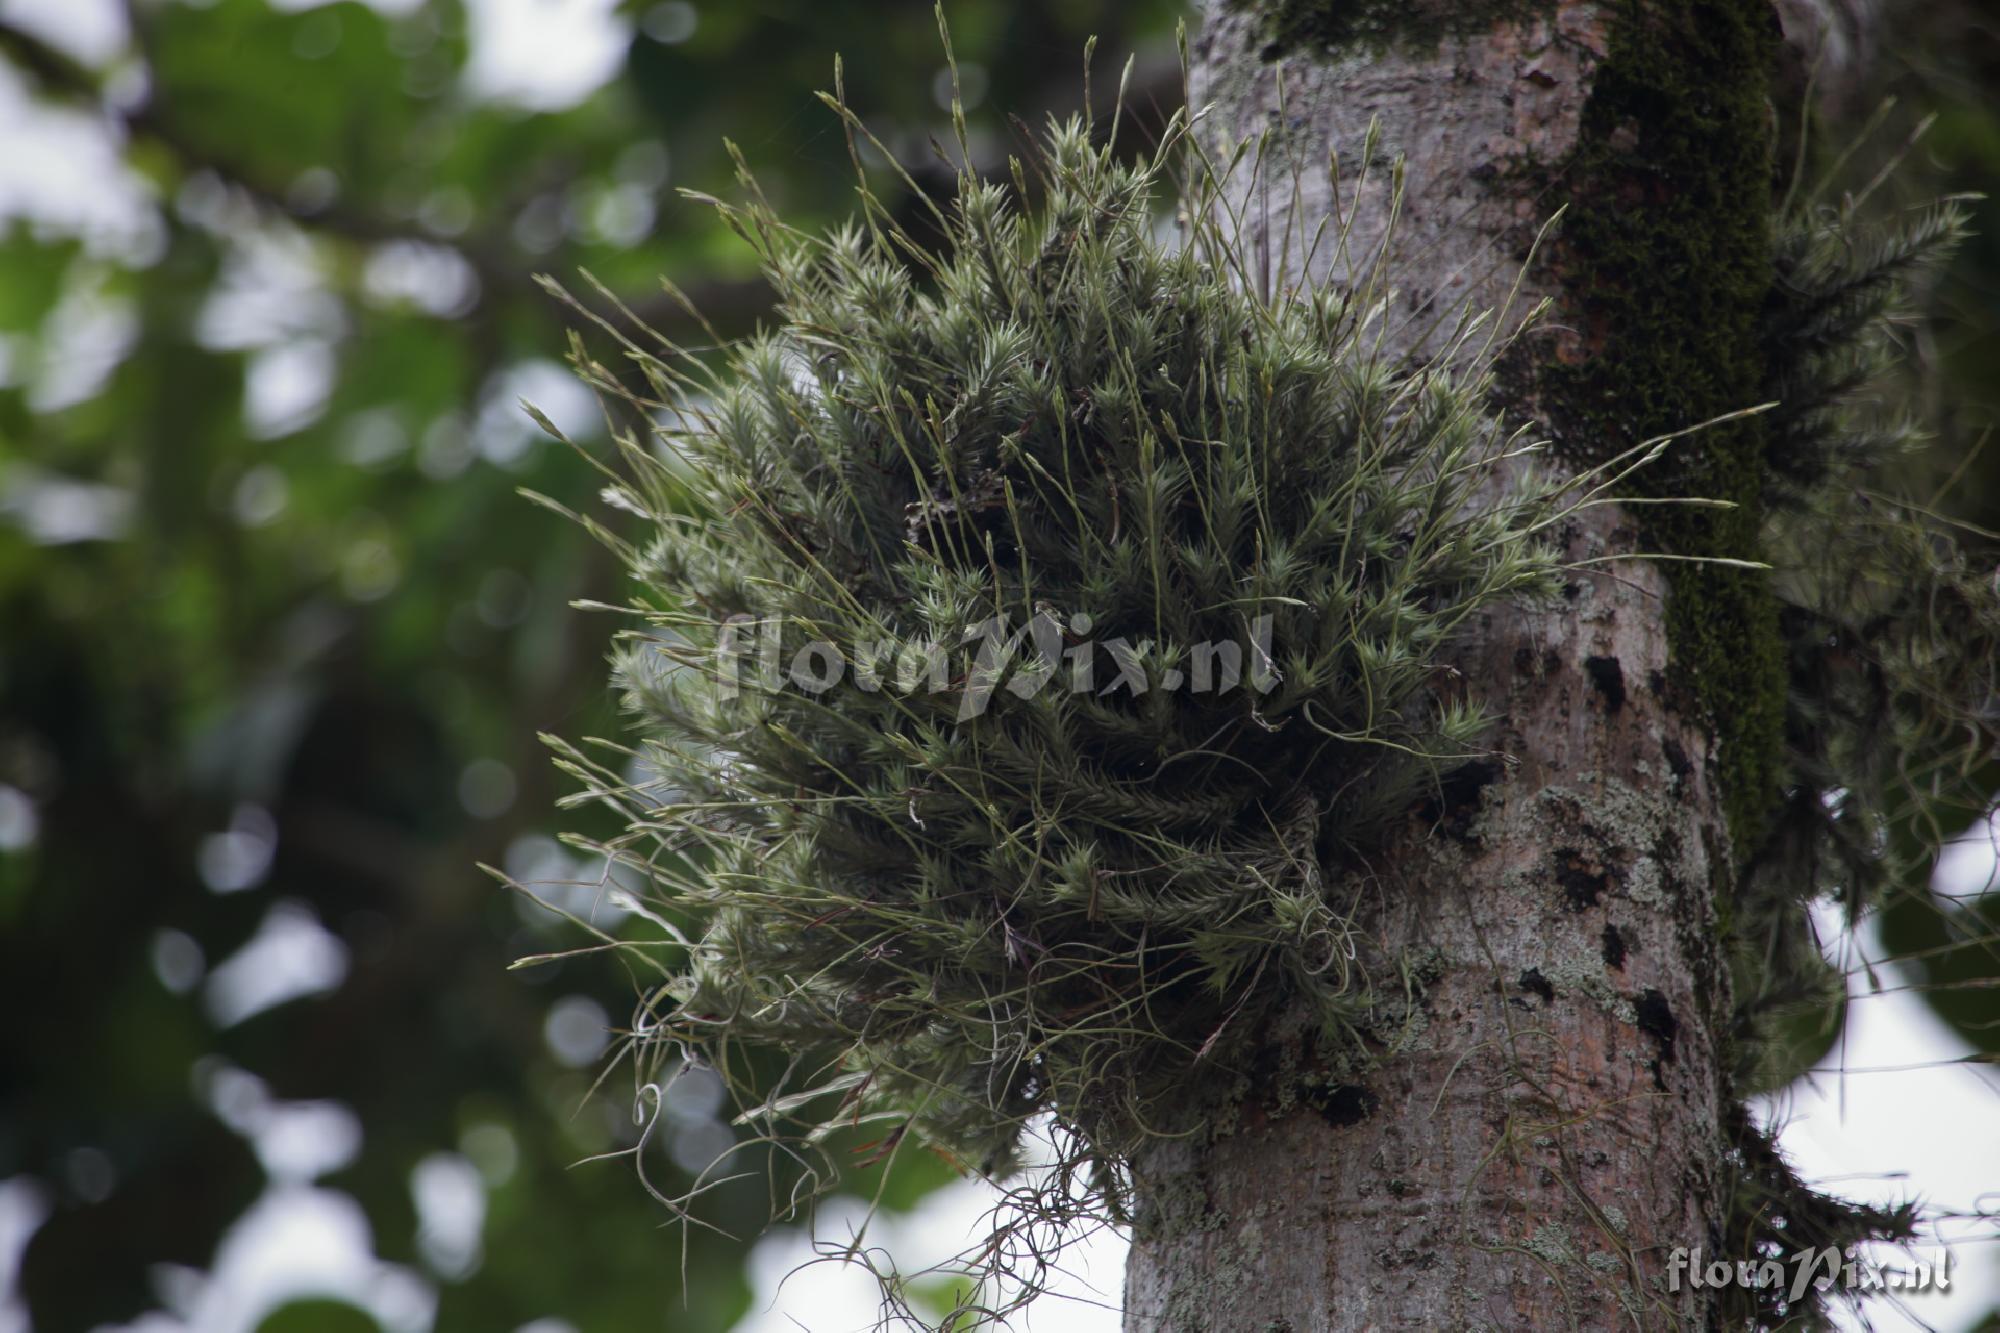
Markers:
point(1039, 624)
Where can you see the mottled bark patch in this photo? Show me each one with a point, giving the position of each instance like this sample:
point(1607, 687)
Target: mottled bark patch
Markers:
point(1655, 1017)
point(1534, 983)
point(1582, 879)
point(1677, 758)
point(1608, 679)
point(1347, 1105)
point(1614, 948)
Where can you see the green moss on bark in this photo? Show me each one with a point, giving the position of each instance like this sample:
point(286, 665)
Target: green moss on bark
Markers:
point(1319, 26)
point(1666, 259)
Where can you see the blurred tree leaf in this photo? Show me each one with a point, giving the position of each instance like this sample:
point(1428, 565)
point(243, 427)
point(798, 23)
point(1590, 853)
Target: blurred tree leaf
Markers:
point(31, 277)
point(318, 1316)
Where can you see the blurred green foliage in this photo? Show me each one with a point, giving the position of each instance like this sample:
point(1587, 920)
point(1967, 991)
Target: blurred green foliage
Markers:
point(1926, 123)
point(279, 633)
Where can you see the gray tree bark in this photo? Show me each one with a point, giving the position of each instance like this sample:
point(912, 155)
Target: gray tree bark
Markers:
point(1557, 1125)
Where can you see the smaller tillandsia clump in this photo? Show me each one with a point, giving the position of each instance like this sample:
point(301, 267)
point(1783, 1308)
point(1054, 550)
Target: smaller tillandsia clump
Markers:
point(1889, 613)
point(1228, 542)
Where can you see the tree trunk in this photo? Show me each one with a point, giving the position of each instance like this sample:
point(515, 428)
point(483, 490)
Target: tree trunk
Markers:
point(1529, 1158)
